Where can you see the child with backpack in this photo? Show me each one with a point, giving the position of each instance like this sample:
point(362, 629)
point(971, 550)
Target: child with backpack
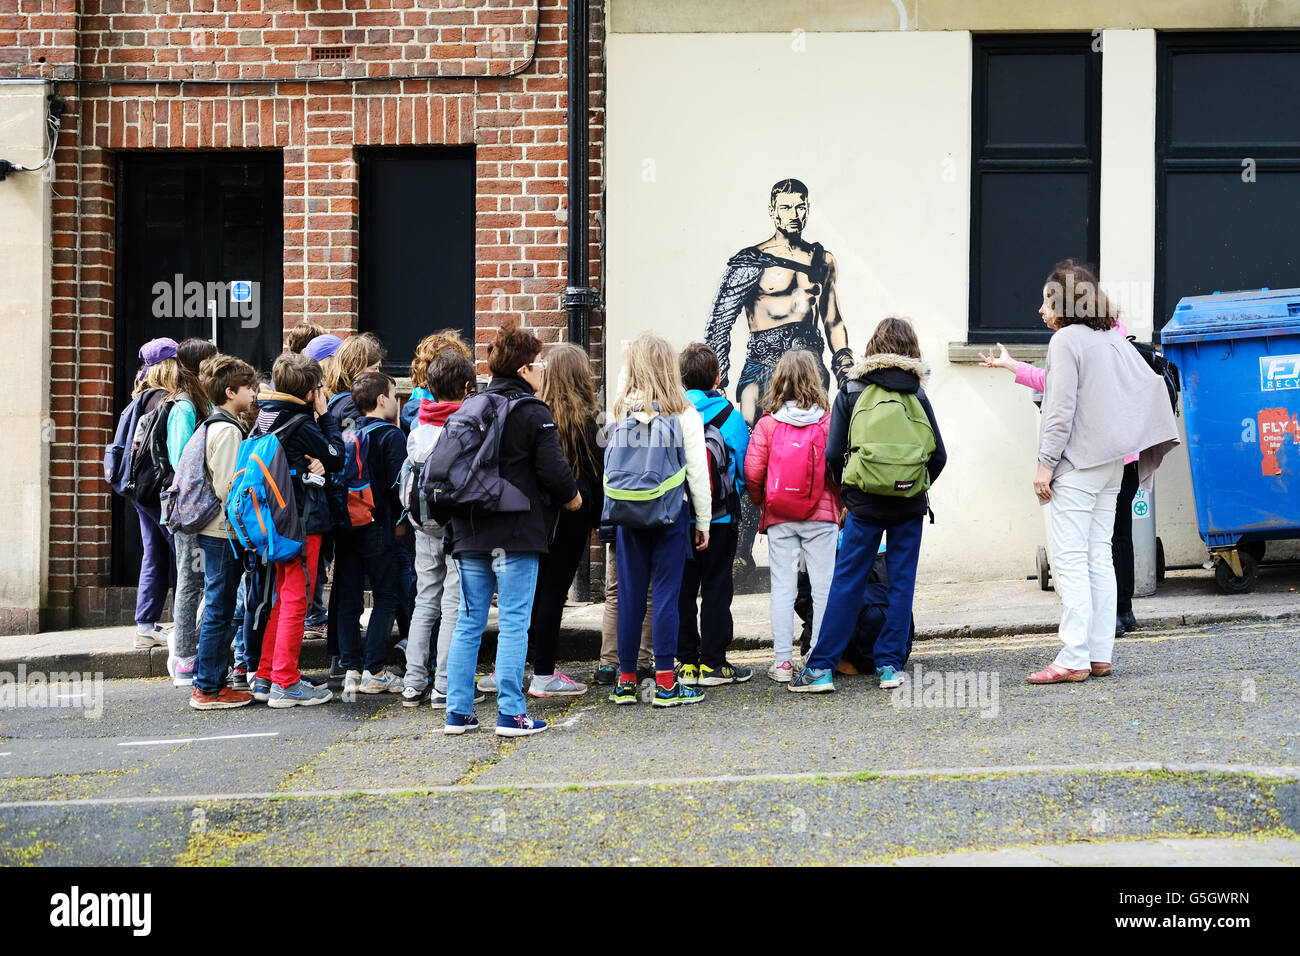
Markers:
point(500, 470)
point(785, 472)
point(654, 457)
point(449, 380)
point(189, 407)
point(203, 481)
point(310, 445)
point(884, 450)
point(374, 451)
point(707, 573)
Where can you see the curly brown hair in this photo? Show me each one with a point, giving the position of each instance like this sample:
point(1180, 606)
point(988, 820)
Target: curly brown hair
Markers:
point(1076, 297)
point(428, 350)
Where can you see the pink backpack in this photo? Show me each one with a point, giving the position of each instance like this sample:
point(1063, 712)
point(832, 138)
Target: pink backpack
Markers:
point(796, 471)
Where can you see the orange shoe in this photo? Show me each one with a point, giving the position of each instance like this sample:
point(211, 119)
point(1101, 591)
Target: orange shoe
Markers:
point(224, 699)
point(1100, 669)
point(1051, 674)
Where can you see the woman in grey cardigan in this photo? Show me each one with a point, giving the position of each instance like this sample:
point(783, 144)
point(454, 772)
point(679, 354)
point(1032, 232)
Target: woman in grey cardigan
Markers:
point(1100, 402)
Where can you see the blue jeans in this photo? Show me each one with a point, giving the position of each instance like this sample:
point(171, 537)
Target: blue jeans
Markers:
point(221, 575)
point(360, 553)
point(513, 575)
point(652, 559)
point(849, 590)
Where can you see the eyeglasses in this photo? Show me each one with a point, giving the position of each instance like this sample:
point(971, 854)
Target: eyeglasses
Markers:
point(541, 365)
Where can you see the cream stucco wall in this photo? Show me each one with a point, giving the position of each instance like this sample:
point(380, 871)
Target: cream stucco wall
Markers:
point(24, 360)
point(878, 125)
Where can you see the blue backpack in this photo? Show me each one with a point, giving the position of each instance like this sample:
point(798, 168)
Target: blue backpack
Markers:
point(356, 475)
point(645, 467)
point(261, 509)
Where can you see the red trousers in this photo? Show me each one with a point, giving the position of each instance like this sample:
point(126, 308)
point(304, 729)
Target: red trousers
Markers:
point(283, 641)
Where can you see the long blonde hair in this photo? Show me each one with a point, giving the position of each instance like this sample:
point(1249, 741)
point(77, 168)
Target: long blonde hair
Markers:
point(797, 379)
point(654, 377)
point(354, 356)
point(570, 392)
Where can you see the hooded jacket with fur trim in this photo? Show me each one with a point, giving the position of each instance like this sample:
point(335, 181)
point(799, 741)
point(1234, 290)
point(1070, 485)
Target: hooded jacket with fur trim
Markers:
point(896, 373)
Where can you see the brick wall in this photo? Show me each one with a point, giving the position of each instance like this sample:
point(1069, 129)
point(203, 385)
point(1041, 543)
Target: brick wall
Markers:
point(422, 72)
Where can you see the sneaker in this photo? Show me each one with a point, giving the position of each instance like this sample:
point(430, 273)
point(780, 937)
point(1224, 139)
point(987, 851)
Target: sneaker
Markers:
point(520, 725)
point(813, 680)
point(724, 673)
point(150, 635)
point(488, 683)
point(438, 699)
point(223, 699)
point(459, 724)
point(414, 697)
point(889, 677)
point(688, 674)
point(237, 680)
point(557, 685)
point(310, 633)
point(624, 692)
point(183, 672)
point(781, 671)
point(351, 684)
point(337, 670)
point(260, 688)
point(313, 679)
point(385, 682)
point(605, 674)
point(677, 694)
point(298, 694)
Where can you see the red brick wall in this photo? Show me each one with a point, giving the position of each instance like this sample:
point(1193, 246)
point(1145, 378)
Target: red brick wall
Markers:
point(517, 124)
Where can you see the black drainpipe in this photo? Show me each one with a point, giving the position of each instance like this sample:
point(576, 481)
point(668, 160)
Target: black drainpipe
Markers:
point(579, 297)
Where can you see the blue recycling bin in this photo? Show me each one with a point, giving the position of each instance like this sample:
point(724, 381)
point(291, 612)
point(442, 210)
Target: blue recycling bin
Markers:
point(1239, 357)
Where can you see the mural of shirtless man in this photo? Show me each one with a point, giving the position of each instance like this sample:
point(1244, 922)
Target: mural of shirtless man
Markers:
point(785, 286)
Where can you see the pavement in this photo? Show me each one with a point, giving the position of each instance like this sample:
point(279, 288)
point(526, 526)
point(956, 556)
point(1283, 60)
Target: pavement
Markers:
point(943, 610)
point(1186, 754)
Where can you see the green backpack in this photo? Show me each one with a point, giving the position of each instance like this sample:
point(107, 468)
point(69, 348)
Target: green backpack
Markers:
point(890, 441)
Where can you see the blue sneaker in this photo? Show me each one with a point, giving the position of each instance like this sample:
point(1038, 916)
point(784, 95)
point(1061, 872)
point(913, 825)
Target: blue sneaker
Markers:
point(812, 680)
point(261, 689)
point(520, 725)
point(677, 695)
point(889, 677)
point(460, 724)
point(298, 694)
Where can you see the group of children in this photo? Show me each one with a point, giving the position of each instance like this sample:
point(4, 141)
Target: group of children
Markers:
point(248, 493)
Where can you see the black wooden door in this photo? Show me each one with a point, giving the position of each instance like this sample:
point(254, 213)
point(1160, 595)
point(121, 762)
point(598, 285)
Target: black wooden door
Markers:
point(416, 247)
point(200, 252)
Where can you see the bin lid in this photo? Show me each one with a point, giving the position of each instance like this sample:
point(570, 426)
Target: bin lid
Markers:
point(1234, 315)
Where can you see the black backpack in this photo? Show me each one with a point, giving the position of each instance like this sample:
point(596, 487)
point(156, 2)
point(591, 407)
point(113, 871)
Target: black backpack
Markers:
point(151, 470)
point(1166, 369)
point(722, 483)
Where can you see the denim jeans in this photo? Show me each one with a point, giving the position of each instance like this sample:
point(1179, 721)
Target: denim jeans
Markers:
point(358, 554)
point(849, 590)
point(513, 575)
point(222, 571)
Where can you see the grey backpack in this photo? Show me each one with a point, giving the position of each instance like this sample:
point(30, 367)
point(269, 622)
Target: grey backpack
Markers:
point(645, 468)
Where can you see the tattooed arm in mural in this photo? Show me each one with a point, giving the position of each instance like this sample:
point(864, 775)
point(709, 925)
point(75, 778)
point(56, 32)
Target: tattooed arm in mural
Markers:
point(735, 292)
point(837, 333)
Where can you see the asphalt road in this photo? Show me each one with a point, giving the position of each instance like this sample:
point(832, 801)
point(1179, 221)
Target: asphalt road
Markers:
point(1195, 734)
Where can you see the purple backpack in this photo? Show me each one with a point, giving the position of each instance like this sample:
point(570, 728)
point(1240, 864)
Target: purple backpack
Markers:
point(190, 503)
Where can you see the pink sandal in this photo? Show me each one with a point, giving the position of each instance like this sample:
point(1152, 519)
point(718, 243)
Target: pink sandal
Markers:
point(1051, 674)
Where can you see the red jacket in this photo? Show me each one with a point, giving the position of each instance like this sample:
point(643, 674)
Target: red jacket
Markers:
point(760, 443)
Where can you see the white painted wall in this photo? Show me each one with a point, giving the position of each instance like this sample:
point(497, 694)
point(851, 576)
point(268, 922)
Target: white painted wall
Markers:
point(24, 360)
point(878, 125)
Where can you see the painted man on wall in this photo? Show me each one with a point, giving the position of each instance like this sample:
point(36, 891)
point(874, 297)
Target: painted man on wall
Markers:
point(785, 287)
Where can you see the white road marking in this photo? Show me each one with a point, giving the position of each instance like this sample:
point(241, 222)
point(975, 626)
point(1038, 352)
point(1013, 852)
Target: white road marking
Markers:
point(7, 753)
point(191, 740)
point(1275, 771)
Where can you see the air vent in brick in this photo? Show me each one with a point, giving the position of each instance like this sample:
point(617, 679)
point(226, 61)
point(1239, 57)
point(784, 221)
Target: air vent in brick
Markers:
point(319, 53)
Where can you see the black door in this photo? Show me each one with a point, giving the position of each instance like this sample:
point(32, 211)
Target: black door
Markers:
point(417, 247)
point(1227, 164)
point(200, 251)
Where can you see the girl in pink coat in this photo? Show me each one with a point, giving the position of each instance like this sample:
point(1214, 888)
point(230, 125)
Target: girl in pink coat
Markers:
point(786, 476)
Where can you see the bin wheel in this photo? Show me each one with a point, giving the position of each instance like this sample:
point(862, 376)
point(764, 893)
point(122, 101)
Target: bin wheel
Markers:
point(1253, 548)
point(1044, 569)
point(1229, 583)
point(1160, 560)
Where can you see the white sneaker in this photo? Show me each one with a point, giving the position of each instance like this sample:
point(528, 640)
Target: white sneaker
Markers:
point(781, 671)
point(150, 635)
point(557, 685)
point(351, 684)
point(385, 682)
point(182, 671)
